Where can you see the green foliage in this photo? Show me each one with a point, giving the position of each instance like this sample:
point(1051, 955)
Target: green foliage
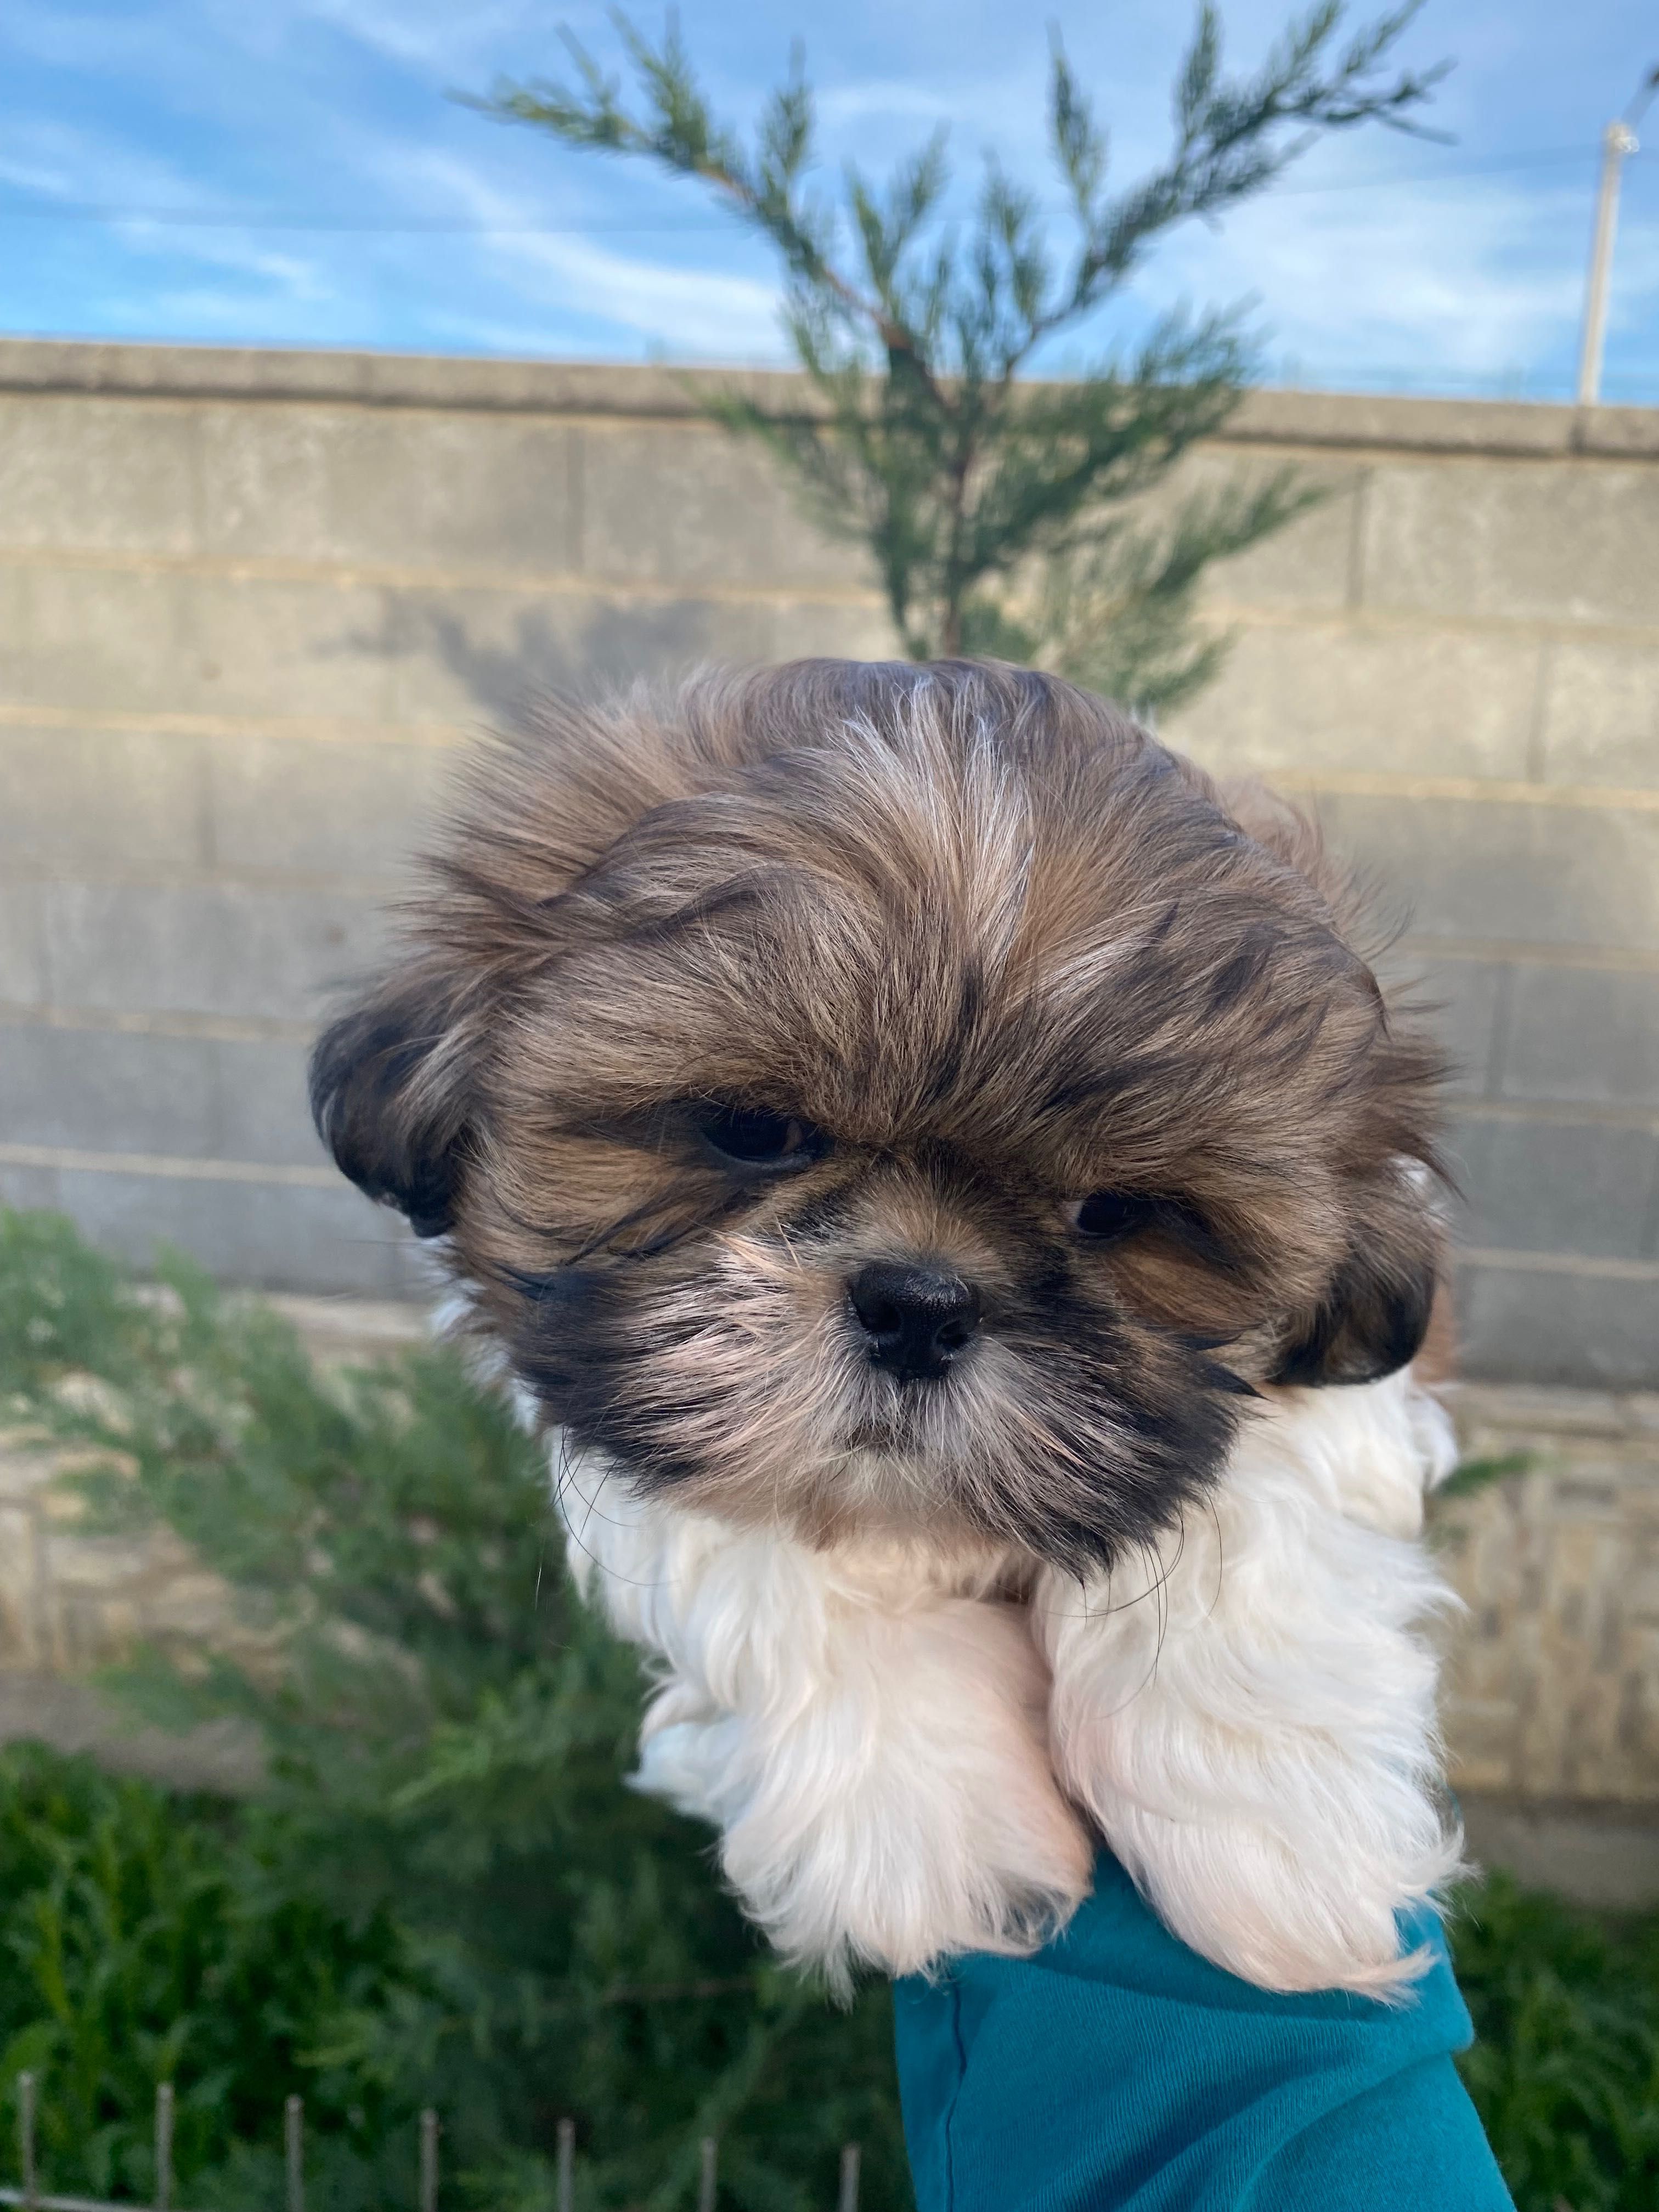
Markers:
point(1565, 2064)
point(507, 1931)
point(991, 503)
point(1472, 1474)
point(144, 1940)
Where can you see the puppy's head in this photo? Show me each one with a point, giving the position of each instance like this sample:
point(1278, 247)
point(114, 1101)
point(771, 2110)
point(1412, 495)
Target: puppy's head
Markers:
point(883, 1096)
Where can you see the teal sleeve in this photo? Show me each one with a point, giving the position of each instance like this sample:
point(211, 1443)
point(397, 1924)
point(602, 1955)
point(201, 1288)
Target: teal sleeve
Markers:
point(1118, 2071)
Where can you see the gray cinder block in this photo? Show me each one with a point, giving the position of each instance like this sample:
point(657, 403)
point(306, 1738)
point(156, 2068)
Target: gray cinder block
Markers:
point(1529, 1325)
point(298, 806)
point(231, 949)
point(96, 639)
point(1306, 695)
point(22, 944)
point(261, 1104)
point(1307, 567)
point(680, 503)
point(406, 491)
point(107, 798)
point(1511, 541)
point(1461, 999)
point(1496, 869)
point(190, 1098)
point(1556, 1185)
point(273, 1236)
point(1599, 720)
point(102, 1090)
point(1590, 1035)
point(85, 474)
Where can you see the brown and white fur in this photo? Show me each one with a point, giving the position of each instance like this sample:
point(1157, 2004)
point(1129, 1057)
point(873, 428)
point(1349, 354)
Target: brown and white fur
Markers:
point(951, 981)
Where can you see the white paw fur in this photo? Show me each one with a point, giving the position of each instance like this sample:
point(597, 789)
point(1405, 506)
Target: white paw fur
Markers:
point(872, 1746)
point(1246, 1717)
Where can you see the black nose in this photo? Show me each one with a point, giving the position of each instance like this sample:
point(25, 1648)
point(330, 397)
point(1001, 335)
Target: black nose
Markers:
point(917, 1319)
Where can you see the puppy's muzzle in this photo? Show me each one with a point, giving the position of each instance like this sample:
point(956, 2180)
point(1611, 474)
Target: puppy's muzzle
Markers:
point(916, 1320)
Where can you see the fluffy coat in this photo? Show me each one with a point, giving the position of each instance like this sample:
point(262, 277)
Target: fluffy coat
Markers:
point(723, 1008)
point(903, 1763)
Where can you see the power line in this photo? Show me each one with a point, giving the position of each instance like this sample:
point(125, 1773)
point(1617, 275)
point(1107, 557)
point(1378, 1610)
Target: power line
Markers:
point(111, 211)
point(421, 226)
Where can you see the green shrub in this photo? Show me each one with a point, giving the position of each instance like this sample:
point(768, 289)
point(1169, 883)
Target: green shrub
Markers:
point(143, 1942)
point(1565, 2064)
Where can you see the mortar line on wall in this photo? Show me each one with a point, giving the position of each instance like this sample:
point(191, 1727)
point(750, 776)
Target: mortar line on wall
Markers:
point(369, 888)
point(170, 1167)
point(379, 576)
point(1360, 783)
point(1406, 621)
point(109, 1021)
point(235, 729)
point(1618, 959)
point(1558, 1263)
point(1289, 445)
point(1566, 1112)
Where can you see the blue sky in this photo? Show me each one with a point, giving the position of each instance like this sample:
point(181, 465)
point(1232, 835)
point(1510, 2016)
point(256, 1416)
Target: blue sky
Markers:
point(291, 171)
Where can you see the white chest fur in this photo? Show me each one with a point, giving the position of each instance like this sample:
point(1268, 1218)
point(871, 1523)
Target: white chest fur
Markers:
point(904, 1765)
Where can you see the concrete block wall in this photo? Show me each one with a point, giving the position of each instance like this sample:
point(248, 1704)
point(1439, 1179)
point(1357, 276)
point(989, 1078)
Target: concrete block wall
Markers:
point(1553, 1689)
point(253, 607)
point(1455, 662)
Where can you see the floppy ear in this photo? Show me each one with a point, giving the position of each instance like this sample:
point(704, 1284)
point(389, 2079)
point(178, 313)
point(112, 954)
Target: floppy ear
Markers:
point(1370, 1321)
point(390, 1103)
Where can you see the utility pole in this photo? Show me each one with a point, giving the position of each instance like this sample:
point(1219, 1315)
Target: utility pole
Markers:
point(1618, 140)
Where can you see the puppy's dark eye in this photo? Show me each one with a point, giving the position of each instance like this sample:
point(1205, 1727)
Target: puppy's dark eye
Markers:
point(758, 1139)
point(1108, 1215)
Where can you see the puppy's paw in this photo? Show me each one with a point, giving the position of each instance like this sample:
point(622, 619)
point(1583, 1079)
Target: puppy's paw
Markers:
point(1249, 1715)
point(1282, 1916)
point(918, 1862)
point(905, 1811)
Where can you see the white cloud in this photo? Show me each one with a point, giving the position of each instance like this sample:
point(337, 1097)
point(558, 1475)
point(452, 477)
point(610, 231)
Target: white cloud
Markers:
point(241, 253)
point(688, 310)
point(1477, 276)
point(64, 161)
point(109, 41)
point(64, 164)
point(429, 35)
point(48, 178)
point(704, 312)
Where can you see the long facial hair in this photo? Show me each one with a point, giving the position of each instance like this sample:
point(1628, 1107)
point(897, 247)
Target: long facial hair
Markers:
point(721, 1001)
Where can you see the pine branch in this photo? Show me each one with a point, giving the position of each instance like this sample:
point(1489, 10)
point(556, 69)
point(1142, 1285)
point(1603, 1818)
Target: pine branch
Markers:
point(680, 134)
point(1117, 611)
point(1230, 137)
point(931, 449)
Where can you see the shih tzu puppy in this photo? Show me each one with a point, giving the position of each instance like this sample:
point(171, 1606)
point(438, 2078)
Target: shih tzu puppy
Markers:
point(946, 1173)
